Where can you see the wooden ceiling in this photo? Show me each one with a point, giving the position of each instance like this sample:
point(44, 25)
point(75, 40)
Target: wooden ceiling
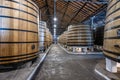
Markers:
point(68, 12)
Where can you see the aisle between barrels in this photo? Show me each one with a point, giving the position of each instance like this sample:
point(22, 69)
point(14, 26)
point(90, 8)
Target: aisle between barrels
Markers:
point(59, 65)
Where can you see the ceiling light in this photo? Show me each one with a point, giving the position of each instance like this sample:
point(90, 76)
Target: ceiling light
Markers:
point(55, 19)
point(55, 25)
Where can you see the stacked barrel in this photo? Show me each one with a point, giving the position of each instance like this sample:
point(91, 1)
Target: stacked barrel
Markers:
point(63, 38)
point(112, 31)
point(79, 35)
point(42, 27)
point(18, 31)
point(48, 38)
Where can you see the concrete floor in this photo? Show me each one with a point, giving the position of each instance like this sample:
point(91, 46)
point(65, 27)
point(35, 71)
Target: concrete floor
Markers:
point(59, 65)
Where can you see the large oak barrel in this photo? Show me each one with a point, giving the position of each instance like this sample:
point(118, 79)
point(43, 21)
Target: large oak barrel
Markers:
point(112, 31)
point(48, 38)
point(99, 36)
point(42, 27)
point(63, 38)
point(79, 35)
point(18, 31)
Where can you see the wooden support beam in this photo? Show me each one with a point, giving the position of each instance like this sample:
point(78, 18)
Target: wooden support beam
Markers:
point(61, 13)
point(43, 7)
point(65, 11)
point(97, 11)
point(77, 13)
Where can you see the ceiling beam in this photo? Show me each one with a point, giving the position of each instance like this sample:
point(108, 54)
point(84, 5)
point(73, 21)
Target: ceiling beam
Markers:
point(48, 13)
point(97, 11)
point(43, 7)
point(65, 11)
point(61, 12)
point(77, 13)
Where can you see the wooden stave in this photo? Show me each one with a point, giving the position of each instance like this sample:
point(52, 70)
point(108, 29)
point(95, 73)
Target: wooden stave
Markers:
point(19, 42)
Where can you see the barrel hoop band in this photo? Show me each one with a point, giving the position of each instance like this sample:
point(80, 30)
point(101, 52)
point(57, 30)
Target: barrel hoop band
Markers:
point(23, 5)
point(18, 30)
point(114, 27)
point(114, 59)
point(18, 58)
point(2, 16)
point(78, 32)
point(79, 39)
point(114, 53)
point(78, 35)
point(81, 45)
point(113, 12)
point(78, 29)
point(18, 42)
point(112, 5)
point(19, 55)
point(116, 37)
point(118, 17)
point(32, 4)
point(79, 42)
point(18, 10)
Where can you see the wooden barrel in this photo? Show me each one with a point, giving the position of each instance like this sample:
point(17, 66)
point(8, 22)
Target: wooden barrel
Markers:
point(79, 35)
point(42, 27)
point(48, 38)
point(112, 31)
point(63, 38)
point(18, 31)
point(99, 36)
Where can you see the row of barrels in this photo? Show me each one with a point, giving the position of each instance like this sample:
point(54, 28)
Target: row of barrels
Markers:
point(77, 35)
point(96, 36)
point(111, 43)
point(45, 36)
point(19, 36)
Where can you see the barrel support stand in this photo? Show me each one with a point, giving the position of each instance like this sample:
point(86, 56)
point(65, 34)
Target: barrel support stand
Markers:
point(112, 66)
point(82, 49)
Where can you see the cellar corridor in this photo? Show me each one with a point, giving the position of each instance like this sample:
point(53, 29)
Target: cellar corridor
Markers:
point(60, 65)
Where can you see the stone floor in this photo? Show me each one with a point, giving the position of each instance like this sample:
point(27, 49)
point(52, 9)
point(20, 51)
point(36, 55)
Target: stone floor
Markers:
point(59, 65)
point(101, 69)
point(19, 73)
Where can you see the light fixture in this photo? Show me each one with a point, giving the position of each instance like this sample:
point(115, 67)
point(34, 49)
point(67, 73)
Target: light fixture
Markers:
point(55, 25)
point(54, 29)
point(55, 19)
